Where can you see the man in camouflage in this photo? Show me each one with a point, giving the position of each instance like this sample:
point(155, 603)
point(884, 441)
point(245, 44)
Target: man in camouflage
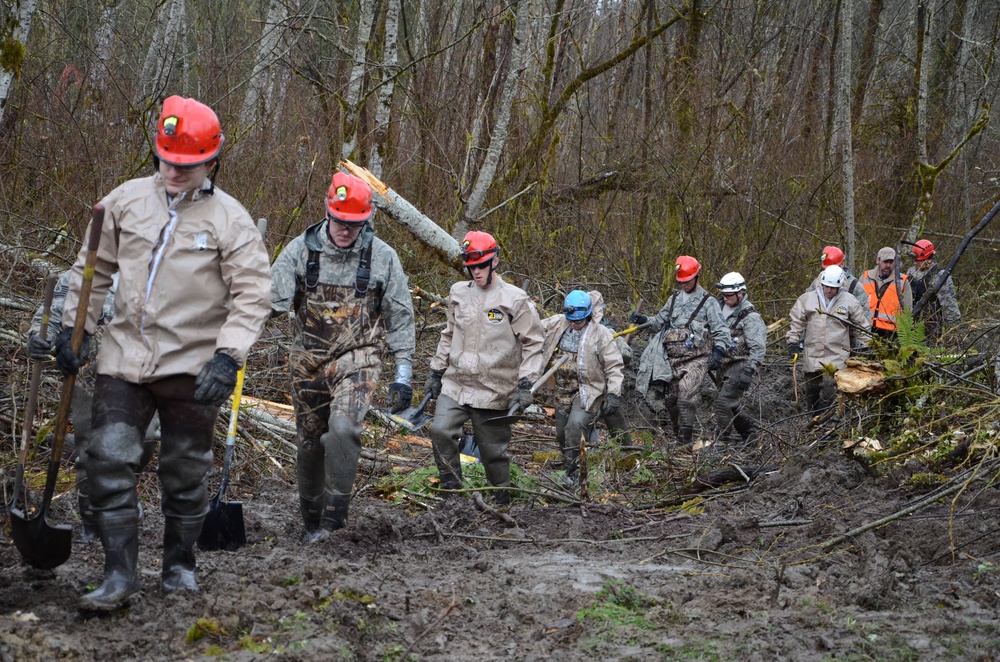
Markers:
point(676, 361)
point(941, 310)
point(746, 355)
point(351, 298)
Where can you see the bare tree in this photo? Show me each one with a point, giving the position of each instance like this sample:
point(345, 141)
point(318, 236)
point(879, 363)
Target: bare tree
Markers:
point(844, 129)
point(383, 112)
point(160, 57)
point(268, 81)
point(14, 45)
point(353, 100)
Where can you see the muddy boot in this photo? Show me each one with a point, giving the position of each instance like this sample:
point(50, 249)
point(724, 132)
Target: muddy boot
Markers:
point(571, 463)
point(119, 533)
point(179, 536)
point(685, 435)
point(334, 515)
point(502, 497)
point(312, 511)
point(749, 434)
point(449, 484)
point(88, 522)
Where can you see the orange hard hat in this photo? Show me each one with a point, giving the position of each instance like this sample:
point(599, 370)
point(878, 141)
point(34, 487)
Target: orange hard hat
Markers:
point(478, 248)
point(188, 133)
point(349, 199)
point(687, 268)
point(832, 256)
point(922, 250)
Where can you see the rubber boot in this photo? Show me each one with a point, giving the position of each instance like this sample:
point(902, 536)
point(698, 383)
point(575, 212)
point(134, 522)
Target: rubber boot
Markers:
point(334, 515)
point(88, 522)
point(502, 497)
point(749, 434)
point(450, 483)
point(312, 511)
point(119, 533)
point(685, 435)
point(179, 536)
point(571, 463)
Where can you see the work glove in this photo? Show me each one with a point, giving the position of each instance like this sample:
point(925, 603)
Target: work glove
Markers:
point(794, 348)
point(216, 380)
point(68, 362)
point(636, 318)
point(433, 383)
point(746, 377)
point(400, 395)
point(523, 398)
point(612, 403)
point(38, 348)
point(715, 361)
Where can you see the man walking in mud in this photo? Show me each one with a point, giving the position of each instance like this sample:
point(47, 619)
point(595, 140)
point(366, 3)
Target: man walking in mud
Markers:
point(488, 357)
point(192, 299)
point(350, 296)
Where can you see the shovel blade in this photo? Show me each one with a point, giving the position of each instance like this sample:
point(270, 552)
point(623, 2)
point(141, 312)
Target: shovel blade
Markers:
point(503, 420)
point(41, 546)
point(224, 527)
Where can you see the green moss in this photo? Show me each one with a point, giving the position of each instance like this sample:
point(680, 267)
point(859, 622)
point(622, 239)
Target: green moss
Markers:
point(12, 55)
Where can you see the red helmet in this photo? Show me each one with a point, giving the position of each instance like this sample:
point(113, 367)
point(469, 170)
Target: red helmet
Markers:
point(478, 248)
point(687, 268)
point(832, 256)
point(349, 199)
point(188, 133)
point(922, 250)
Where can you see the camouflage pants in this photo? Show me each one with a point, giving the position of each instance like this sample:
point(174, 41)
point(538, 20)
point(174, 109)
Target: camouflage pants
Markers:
point(682, 392)
point(331, 399)
point(729, 411)
point(572, 425)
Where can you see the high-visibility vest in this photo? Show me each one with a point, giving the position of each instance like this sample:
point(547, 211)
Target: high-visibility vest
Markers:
point(885, 302)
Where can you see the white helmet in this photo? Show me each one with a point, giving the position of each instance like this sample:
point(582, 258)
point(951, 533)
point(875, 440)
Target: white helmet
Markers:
point(731, 282)
point(833, 276)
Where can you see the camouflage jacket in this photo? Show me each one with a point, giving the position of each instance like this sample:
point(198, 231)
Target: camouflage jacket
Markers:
point(335, 320)
point(59, 300)
point(677, 311)
point(944, 303)
point(749, 333)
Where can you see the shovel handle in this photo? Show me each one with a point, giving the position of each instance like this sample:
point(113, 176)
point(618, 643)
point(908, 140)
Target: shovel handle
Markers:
point(234, 416)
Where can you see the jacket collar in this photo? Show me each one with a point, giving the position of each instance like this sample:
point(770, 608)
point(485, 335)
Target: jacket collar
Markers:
point(317, 238)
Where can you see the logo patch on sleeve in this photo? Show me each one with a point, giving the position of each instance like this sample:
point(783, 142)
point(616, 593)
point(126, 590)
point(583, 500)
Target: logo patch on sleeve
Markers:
point(842, 310)
point(494, 316)
point(201, 241)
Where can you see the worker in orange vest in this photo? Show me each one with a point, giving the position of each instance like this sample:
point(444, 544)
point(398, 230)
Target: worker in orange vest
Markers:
point(888, 293)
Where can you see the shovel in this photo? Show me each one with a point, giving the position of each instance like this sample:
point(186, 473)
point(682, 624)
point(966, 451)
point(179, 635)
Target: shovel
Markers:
point(414, 418)
point(43, 546)
point(224, 527)
point(511, 417)
point(36, 378)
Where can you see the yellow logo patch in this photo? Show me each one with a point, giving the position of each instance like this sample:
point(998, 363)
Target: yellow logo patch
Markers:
point(494, 316)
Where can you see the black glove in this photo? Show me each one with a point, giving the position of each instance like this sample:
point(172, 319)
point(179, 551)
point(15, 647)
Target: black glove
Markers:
point(636, 318)
point(68, 362)
point(743, 383)
point(612, 403)
point(433, 383)
point(523, 398)
point(216, 380)
point(400, 395)
point(794, 348)
point(39, 349)
point(715, 362)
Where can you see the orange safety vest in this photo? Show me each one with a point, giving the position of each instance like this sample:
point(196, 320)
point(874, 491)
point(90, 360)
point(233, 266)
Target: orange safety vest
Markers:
point(885, 304)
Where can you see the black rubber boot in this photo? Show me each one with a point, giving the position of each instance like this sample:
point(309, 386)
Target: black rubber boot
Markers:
point(334, 515)
point(571, 463)
point(502, 497)
point(119, 533)
point(312, 511)
point(450, 483)
point(685, 435)
point(179, 536)
point(88, 522)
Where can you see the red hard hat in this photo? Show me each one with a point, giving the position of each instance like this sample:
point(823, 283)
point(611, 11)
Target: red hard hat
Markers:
point(922, 250)
point(188, 133)
point(349, 199)
point(478, 248)
point(687, 268)
point(832, 256)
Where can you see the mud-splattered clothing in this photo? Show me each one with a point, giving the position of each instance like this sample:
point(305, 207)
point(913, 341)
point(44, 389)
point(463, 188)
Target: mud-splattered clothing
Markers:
point(346, 313)
point(747, 352)
point(851, 285)
point(941, 310)
point(827, 335)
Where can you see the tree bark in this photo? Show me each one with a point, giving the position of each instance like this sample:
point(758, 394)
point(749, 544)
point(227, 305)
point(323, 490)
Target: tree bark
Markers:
point(383, 112)
point(159, 63)
point(265, 83)
point(844, 130)
point(13, 47)
point(366, 15)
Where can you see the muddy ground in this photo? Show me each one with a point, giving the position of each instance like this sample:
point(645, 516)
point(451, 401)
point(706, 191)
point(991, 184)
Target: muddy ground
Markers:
point(738, 572)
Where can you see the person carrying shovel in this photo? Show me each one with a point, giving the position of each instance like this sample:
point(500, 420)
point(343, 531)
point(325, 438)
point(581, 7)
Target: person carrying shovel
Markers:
point(590, 381)
point(350, 297)
point(487, 360)
point(192, 299)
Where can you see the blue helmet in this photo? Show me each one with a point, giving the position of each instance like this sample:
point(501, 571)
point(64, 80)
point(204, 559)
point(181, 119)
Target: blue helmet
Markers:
point(577, 306)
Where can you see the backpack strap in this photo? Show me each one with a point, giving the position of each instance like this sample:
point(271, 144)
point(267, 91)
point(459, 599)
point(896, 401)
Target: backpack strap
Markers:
point(364, 272)
point(696, 311)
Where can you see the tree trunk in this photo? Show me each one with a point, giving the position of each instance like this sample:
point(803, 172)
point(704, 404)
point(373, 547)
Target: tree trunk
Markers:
point(13, 47)
point(159, 61)
point(265, 84)
point(383, 112)
point(868, 59)
point(844, 129)
point(352, 110)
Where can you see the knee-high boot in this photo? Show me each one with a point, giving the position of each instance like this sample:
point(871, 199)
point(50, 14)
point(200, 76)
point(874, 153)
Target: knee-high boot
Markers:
point(334, 515)
point(179, 536)
point(119, 533)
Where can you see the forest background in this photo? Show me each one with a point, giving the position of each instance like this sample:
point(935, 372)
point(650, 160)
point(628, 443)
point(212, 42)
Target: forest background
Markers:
point(597, 139)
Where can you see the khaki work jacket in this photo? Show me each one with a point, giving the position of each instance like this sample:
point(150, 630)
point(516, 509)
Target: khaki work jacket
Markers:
point(493, 339)
point(827, 336)
point(193, 278)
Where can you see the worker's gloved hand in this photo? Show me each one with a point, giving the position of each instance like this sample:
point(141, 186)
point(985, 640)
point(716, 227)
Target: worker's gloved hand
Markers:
point(68, 362)
point(400, 395)
point(433, 383)
point(746, 377)
point(715, 361)
point(636, 318)
point(612, 403)
point(38, 348)
point(794, 348)
point(523, 398)
point(216, 380)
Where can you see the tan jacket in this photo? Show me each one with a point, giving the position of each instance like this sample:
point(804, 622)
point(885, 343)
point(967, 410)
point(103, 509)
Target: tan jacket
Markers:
point(209, 291)
point(599, 363)
point(493, 339)
point(827, 336)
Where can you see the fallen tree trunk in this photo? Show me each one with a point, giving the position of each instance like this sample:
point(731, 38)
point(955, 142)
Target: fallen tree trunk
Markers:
point(731, 474)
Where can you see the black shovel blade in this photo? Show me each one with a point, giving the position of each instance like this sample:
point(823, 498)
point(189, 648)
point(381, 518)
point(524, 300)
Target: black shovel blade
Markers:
point(223, 527)
point(41, 546)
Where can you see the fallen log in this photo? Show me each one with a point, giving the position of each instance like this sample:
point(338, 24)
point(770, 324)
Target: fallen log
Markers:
point(732, 474)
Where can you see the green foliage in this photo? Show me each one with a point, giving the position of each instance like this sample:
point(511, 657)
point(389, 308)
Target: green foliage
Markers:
point(202, 628)
point(425, 481)
point(984, 572)
point(618, 604)
point(12, 54)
